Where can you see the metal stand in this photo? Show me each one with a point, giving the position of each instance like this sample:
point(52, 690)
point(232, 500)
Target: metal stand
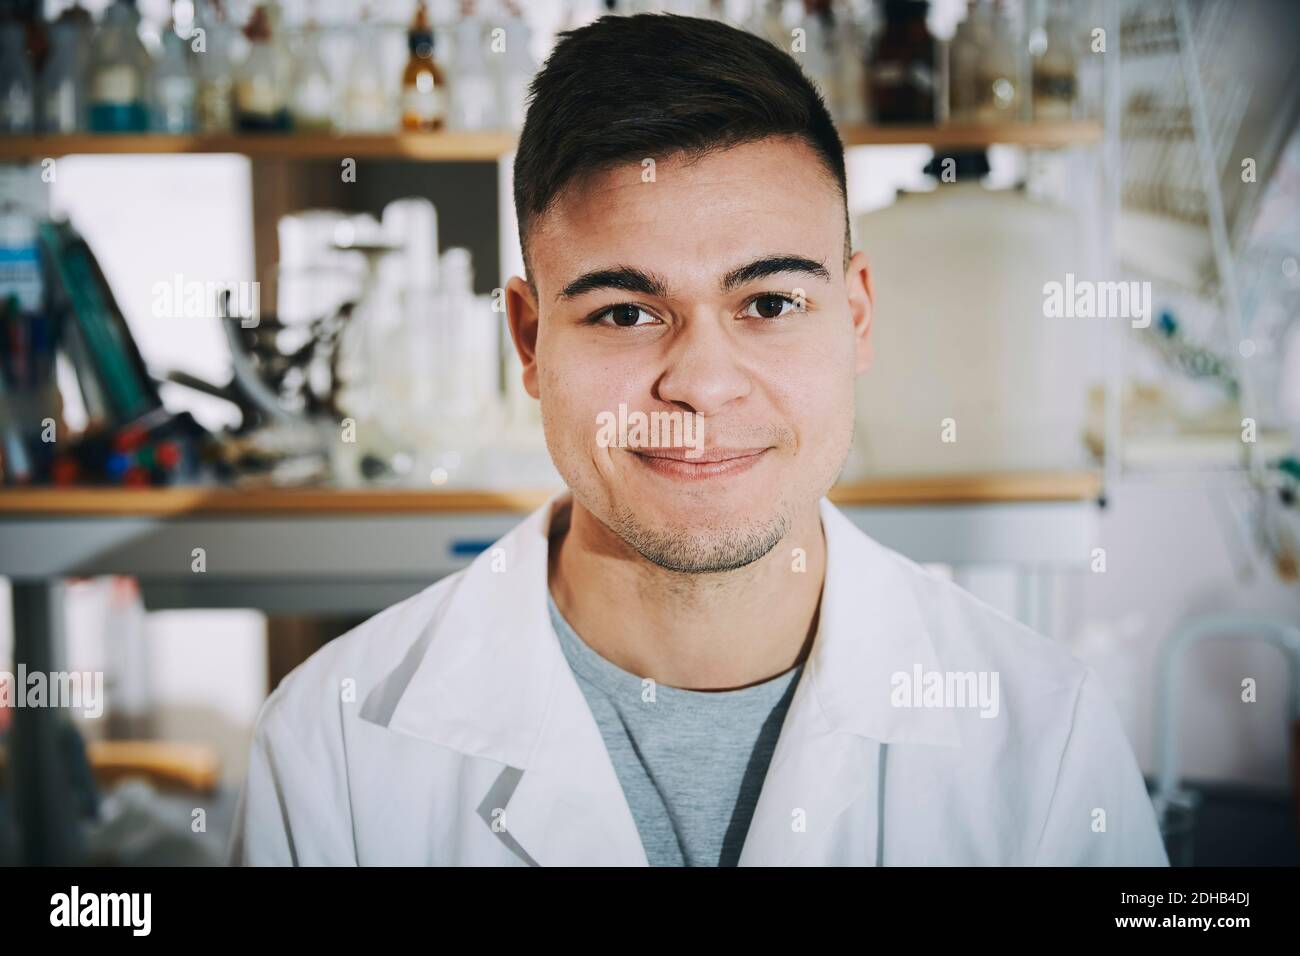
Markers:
point(47, 826)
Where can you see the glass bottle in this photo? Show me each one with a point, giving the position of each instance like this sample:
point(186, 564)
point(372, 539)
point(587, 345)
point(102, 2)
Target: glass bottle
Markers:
point(367, 103)
point(260, 100)
point(424, 86)
point(63, 81)
point(467, 356)
point(516, 68)
point(371, 344)
point(817, 58)
point(997, 89)
point(312, 99)
point(17, 84)
point(902, 76)
point(119, 73)
point(210, 40)
point(174, 86)
point(473, 94)
point(850, 54)
point(1055, 74)
point(964, 55)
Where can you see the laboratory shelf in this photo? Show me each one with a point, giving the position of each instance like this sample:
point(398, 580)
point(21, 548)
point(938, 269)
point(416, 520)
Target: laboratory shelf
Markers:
point(1040, 135)
point(419, 147)
point(356, 551)
point(491, 146)
point(936, 489)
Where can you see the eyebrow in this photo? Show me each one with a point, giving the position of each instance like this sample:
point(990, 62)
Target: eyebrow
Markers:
point(624, 278)
point(629, 279)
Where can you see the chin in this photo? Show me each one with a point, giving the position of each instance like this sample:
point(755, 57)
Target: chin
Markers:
point(691, 551)
point(703, 510)
point(707, 533)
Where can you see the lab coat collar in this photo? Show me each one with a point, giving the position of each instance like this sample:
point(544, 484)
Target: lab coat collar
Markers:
point(872, 629)
point(494, 683)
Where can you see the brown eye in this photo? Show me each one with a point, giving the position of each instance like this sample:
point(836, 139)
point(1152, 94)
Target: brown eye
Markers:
point(625, 314)
point(771, 306)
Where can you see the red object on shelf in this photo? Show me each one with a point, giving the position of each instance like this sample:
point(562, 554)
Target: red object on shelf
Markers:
point(168, 454)
point(64, 471)
point(128, 439)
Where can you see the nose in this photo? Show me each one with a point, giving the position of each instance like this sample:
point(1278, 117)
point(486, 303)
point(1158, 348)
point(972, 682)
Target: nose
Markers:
point(704, 371)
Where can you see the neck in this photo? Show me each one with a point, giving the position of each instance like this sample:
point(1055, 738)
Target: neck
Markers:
point(717, 631)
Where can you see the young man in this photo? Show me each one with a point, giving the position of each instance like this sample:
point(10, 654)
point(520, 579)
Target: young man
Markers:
point(690, 656)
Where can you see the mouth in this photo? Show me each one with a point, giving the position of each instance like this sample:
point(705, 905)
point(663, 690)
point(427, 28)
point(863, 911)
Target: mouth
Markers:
point(682, 464)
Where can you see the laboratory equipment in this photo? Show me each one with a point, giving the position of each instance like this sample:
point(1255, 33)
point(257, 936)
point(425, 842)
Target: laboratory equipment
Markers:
point(903, 72)
point(63, 80)
point(473, 92)
point(817, 56)
point(312, 99)
point(261, 100)
point(424, 86)
point(17, 85)
point(997, 86)
point(119, 73)
point(367, 102)
point(1055, 70)
point(964, 54)
point(174, 88)
point(515, 67)
point(215, 95)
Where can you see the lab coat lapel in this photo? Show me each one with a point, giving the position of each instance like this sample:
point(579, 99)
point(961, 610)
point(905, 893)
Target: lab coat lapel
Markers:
point(828, 756)
point(569, 809)
point(494, 683)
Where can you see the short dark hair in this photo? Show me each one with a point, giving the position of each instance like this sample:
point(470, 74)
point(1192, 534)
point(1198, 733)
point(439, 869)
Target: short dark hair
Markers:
point(626, 87)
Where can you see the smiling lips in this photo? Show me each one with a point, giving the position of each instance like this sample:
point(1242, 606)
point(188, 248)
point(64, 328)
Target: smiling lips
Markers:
point(684, 465)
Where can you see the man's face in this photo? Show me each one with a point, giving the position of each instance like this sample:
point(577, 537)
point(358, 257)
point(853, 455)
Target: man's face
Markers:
point(713, 290)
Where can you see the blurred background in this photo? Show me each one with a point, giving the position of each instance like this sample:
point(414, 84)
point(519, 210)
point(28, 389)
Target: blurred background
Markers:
point(256, 385)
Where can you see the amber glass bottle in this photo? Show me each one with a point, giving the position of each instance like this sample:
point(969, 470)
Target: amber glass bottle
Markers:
point(902, 75)
point(424, 86)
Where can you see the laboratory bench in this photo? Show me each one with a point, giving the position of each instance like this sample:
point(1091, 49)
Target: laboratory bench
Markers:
point(492, 145)
point(359, 550)
point(356, 551)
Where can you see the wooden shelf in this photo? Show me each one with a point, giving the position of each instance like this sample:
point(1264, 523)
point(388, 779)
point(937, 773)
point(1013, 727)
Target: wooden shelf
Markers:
point(491, 146)
point(166, 502)
point(164, 763)
point(1054, 135)
point(989, 488)
point(421, 147)
point(983, 488)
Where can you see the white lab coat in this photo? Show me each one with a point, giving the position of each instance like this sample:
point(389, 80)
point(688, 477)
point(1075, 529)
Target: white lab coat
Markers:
point(449, 730)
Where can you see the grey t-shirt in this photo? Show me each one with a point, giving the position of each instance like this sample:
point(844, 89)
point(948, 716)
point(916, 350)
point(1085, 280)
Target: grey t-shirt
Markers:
point(691, 763)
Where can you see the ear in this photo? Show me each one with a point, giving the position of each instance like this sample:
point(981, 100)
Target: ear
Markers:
point(861, 308)
point(521, 311)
